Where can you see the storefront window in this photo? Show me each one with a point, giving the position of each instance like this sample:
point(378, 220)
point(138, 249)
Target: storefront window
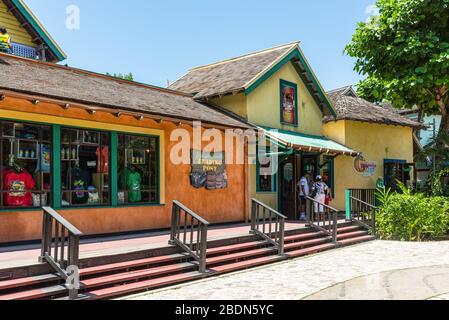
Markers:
point(85, 169)
point(266, 178)
point(137, 169)
point(26, 165)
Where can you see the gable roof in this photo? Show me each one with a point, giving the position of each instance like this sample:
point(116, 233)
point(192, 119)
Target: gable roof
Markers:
point(79, 86)
point(40, 35)
point(351, 107)
point(247, 72)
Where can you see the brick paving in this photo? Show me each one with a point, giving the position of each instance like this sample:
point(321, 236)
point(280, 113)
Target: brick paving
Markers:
point(308, 277)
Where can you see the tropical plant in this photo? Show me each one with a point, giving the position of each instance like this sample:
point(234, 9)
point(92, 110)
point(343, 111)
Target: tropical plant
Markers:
point(411, 217)
point(404, 54)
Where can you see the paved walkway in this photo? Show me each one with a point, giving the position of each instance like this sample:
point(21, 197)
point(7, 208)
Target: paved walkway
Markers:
point(374, 270)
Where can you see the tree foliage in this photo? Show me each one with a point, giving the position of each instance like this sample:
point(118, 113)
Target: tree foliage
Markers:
point(404, 54)
point(126, 76)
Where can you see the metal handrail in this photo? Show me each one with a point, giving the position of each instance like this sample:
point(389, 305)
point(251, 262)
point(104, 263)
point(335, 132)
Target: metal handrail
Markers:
point(180, 228)
point(264, 228)
point(57, 233)
point(364, 214)
point(319, 221)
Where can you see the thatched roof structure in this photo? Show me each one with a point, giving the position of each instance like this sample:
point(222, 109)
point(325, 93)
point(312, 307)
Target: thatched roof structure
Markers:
point(350, 107)
point(79, 86)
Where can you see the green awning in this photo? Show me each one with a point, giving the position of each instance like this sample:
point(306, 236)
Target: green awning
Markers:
point(308, 143)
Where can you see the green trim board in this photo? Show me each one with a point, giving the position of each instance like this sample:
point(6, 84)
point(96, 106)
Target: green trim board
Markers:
point(37, 26)
point(283, 84)
point(114, 168)
point(295, 54)
point(56, 167)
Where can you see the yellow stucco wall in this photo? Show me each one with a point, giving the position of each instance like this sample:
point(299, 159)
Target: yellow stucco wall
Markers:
point(262, 107)
point(377, 142)
point(234, 103)
point(17, 32)
point(263, 104)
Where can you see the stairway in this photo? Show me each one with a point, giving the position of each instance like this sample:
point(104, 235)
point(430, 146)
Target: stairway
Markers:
point(119, 279)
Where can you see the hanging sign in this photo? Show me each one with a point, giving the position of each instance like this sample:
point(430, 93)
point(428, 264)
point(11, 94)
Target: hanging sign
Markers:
point(208, 170)
point(365, 168)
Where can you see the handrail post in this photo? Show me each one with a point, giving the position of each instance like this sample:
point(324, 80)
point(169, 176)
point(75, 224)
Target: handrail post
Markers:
point(348, 205)
point(281, 236)
point(335, 229)
point(253, 216)
point(374, 222)
point(203, 250)
point(308, 211)
point(174, 220)
point(44, 244)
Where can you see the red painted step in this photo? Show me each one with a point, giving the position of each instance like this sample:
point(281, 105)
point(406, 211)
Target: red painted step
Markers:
point(348, 229)
point(35, 293)
point(132, 264)
point(310, 250)
point(24, 282)
point(240, 255)
point(236, 247)
point(308, 243)
point(246, 264)
point(350, 241)
point(303, 236)
point(136, 275)
point(143, 285)
point(355, 234)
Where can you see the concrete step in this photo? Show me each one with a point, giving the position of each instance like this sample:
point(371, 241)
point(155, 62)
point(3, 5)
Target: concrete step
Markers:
point(236, 266)
point(304, 244)
point(310, 250)
point(351, 241)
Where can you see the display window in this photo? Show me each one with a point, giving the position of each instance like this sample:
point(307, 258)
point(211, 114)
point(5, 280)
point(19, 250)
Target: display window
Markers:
point(85, 167)
point(26, 156)
point(137, 169)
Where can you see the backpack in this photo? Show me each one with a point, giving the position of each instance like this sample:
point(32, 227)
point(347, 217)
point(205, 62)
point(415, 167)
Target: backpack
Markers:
point(314, 191)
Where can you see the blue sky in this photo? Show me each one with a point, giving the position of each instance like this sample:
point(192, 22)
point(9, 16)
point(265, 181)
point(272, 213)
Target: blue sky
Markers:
point(160, 40)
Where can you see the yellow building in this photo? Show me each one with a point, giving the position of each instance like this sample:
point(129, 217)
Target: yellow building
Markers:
point(277, 91)
point(29, 38)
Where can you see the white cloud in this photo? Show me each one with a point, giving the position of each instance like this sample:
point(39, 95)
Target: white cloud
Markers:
point(371, 11)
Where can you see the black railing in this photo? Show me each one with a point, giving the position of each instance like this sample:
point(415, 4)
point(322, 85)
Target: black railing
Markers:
point(363, 213)
point(364, 195)
point(322, 217)
point(268, 224)
point(60, 247)
point(189, 231)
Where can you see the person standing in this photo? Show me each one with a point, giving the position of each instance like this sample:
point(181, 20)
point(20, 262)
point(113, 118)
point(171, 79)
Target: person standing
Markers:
point(5, 41)
point(304, 192)
point(321, 190)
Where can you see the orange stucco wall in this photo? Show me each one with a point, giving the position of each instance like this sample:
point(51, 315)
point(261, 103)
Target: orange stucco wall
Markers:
point(218, 206)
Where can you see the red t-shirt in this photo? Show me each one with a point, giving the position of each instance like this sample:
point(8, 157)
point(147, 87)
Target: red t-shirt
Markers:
point(103, 160)
point(19, 185)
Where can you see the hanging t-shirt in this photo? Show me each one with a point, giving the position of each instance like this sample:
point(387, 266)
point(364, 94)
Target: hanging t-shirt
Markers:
point(80, 181)
point(133, 185)
point(103, 159)
point(44, 158)
point(18, 185)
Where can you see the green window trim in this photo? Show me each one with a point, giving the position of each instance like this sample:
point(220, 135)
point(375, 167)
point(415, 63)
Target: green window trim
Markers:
point(56, 201)
point(273, 180)
point(283, 83)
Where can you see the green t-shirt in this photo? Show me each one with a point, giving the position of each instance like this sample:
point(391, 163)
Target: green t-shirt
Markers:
point(133, 185)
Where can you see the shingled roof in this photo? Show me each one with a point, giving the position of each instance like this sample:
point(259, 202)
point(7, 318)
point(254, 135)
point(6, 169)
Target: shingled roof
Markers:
point(245, 73)
point(228, 76)
point(350, 107)
point(79, 86)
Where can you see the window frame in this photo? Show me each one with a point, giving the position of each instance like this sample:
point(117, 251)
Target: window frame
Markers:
point(158, 166)
point(273, 179)
point(39, 142)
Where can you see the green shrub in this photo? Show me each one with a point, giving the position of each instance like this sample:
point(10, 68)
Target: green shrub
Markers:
point(412, 217)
